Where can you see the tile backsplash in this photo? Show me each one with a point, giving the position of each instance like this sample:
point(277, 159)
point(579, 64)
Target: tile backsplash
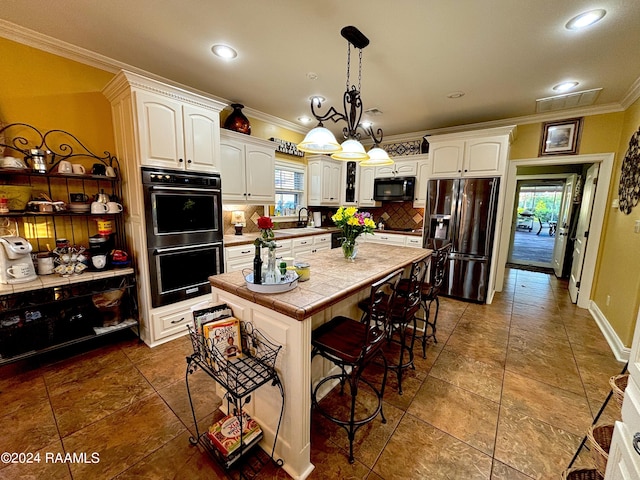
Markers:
point(395, 215)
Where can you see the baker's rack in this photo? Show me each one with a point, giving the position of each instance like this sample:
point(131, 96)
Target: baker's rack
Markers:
point(239, 378)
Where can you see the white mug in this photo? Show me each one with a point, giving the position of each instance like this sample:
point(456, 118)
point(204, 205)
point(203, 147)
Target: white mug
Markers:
point(45, 265)
point(110, 172)
point(114, 207)
point(99, 207)
point(77, 168)
point(99, 261)
point(65, 167)
point(19, 270)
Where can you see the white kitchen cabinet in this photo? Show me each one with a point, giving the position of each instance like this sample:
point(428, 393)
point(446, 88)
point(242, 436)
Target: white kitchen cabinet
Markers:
point(247, 168)
point(176, 135)
point(308, 245)
point(171, 321)
point(239, 257)
point(386, 238)
point(365, 187)
point(403, 167)
point(324, 181)
point(413, 241)
point(480, 153)
point(423, 173)
point(624, 453)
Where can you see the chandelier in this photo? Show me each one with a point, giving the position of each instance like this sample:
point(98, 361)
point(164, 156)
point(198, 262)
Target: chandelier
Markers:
point(321, 140)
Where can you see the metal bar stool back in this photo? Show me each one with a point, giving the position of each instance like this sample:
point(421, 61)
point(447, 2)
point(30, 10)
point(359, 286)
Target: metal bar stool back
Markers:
point(430, 292)
point(351, 345)
point(401, 320)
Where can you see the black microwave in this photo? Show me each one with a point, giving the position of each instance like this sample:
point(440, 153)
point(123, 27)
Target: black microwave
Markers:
point(396, 189)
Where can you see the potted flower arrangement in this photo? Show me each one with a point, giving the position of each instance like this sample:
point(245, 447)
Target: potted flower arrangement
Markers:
point(353, 224)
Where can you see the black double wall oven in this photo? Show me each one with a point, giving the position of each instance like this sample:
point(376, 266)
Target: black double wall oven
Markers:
point(184, 233)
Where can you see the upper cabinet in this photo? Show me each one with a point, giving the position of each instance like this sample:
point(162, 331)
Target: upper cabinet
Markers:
point(403, 167)
point(423, 172)
point(480, 153)
point(247, 168)
point(175, 129)
point(365, 187)
point(324, 181)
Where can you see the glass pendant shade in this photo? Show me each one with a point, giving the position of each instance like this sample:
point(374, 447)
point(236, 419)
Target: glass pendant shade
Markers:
point(377, 158)
point(351, 150)
point(319, 140)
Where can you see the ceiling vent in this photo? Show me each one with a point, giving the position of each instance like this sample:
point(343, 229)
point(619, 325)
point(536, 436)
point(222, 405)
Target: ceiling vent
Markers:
point(567, 100)
point(373, 111)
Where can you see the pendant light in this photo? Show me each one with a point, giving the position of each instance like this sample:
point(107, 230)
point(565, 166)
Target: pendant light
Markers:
point(321, 140)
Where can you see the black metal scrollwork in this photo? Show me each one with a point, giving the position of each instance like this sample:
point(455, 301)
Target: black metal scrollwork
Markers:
point(629, 189)
point(58, 145)
point(636, 442)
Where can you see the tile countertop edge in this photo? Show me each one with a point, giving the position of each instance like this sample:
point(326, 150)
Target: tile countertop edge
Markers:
point(322, 262)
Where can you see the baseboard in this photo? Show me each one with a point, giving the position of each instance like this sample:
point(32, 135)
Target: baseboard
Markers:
point(617, 347)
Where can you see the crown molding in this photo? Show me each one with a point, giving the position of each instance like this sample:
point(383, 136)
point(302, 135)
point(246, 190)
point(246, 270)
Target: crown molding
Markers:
point(34, 39)
point(632, 94)
point(54, 46)
point(505, 122)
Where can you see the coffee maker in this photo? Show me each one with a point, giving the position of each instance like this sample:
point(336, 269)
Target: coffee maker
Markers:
point(16, 265)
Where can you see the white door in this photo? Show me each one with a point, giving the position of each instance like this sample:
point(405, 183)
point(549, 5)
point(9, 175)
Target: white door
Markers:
point(201, 139)
point(564, 220)
point(582, 232)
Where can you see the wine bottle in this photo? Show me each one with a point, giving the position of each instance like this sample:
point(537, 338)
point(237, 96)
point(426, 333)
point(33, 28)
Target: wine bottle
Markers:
point(257, 267)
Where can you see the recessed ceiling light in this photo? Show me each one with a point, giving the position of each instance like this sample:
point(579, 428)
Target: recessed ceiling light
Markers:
point(455, 95)
point(565, 86)
point(224, 51)
point(585, 19)
point(304, 119)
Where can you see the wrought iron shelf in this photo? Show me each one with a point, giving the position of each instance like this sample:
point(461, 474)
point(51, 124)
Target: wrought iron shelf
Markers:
point(239, 378)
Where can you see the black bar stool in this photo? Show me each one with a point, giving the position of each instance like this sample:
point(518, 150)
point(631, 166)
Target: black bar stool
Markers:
point(401, 320)
point(430, 292)
point(352, 345)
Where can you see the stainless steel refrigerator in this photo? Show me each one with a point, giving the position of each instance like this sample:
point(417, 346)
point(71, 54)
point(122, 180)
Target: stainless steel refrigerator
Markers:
point(462, 211)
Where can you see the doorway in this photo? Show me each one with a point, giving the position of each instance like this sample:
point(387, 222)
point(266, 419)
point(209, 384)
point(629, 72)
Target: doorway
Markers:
point(605, 162)
point(535, 220)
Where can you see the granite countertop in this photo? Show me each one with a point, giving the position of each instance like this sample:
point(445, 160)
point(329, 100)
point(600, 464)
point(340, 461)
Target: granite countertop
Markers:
point(332, 278)
point(247, 238)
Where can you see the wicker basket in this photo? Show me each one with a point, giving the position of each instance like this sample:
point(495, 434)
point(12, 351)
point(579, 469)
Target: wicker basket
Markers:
point(600, 440)
point(618, 385)
point(581, 474)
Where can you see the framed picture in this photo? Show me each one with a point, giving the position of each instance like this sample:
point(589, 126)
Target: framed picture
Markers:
point(561, 138)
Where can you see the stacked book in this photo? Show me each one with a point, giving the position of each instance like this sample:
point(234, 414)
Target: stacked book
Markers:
point(225, 436)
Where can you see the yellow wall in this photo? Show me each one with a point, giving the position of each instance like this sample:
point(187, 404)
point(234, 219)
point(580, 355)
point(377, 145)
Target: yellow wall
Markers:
point(618, 265)
point(51, 92)
point(619, 256)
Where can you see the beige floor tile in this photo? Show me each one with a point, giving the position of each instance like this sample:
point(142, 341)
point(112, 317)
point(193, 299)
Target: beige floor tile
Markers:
point(42, 465)
point(441, 456)
point(203, 395)
point(22, 390)
point(28, 429)
point(483, 379)
point(500, 471)
point(552, 405)
point(532, 447)
point(460, 413)
point(484, 348)
point(124, 438)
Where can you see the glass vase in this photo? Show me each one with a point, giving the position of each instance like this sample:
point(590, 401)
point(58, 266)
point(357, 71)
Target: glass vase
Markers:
point(236, 120)
point(349, 249)
point(271, 274)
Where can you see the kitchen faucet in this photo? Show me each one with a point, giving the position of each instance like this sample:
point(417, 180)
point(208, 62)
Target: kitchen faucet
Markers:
point(302, 223)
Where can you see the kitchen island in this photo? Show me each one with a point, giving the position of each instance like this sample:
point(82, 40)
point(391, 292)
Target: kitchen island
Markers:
point(335, 287)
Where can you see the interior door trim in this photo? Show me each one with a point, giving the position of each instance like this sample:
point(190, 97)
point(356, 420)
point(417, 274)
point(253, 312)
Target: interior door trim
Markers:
point(597, 219)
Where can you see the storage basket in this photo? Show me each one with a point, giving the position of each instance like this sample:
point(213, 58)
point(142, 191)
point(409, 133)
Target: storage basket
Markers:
point(581, 474)
point(618, 385)
point(17, 195)
point(600, 440)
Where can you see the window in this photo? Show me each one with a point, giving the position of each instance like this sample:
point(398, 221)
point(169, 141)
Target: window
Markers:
point(289, 179)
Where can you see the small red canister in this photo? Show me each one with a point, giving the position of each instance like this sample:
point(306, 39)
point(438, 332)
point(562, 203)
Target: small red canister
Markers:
point(4, 205)
point(104, 227)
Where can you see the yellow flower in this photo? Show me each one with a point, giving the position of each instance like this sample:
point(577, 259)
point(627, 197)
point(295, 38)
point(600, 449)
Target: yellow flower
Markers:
point(369, 223)
point(350, 211)
point(353, 221)
point(337, 217)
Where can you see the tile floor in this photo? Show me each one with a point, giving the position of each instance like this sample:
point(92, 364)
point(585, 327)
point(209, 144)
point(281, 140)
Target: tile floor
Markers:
point(507, 393)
